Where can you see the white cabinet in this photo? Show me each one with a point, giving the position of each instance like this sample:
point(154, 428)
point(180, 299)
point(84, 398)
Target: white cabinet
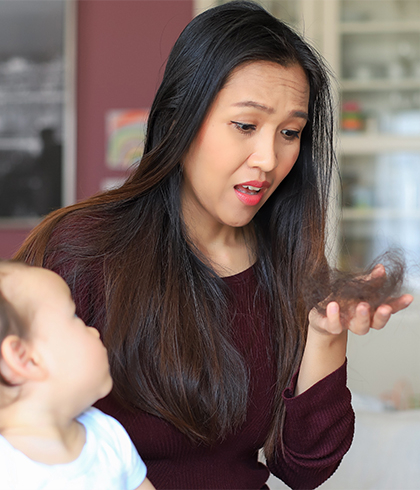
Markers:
point(37, 71)
point(378, 64)
point(374, 48)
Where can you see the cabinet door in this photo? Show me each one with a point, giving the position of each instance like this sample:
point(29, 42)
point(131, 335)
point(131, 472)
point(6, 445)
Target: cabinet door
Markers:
point(376, 56)
point(36, 108)
point(379, 66)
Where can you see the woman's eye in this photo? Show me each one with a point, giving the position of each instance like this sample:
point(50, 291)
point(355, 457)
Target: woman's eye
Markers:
point(244, 127)
point(291, 135)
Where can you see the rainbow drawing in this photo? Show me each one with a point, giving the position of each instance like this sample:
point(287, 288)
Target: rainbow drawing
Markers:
point(125, 131)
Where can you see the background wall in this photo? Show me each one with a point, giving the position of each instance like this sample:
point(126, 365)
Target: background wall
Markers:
point(122, 47)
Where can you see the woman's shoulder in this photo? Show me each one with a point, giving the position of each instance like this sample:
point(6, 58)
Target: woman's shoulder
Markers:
point(73, 239)
point(75, 222)
point(75, 232)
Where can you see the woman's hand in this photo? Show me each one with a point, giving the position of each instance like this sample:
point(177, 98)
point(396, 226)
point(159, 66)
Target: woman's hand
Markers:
point(361, 318)
point(326, 343)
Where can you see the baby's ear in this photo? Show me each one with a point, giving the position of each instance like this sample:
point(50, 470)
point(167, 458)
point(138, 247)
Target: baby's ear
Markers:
point(18, 361)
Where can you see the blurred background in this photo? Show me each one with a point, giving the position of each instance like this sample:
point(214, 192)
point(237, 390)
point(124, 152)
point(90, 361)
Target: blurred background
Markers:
point(77, 78)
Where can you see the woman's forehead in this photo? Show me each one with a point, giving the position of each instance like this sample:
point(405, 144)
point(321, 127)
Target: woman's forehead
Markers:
point(261, 84)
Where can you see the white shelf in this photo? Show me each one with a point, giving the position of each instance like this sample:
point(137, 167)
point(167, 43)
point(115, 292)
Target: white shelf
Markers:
point(372, 27)
point(31, 97)
point(369, 143)
point(29, 144)
point(364, 214)
point(374, 85)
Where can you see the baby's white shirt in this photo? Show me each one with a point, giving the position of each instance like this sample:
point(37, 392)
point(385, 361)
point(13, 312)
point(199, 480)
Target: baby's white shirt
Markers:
point(108, 461)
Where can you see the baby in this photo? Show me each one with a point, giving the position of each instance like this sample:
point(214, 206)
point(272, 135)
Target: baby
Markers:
point(52, 369)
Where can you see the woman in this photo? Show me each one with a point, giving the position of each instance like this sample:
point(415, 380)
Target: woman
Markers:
point(193, 269)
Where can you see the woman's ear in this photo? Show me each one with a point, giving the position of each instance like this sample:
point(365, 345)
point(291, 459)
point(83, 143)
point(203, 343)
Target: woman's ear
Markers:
point(19, 361)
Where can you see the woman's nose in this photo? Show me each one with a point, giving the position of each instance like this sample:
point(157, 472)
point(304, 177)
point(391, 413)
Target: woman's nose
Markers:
point(264, 156)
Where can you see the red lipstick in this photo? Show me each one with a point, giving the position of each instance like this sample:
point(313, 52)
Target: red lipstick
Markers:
point(251, 192)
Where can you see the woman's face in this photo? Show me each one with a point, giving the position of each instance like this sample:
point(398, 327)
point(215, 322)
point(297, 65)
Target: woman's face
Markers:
point(246, 146)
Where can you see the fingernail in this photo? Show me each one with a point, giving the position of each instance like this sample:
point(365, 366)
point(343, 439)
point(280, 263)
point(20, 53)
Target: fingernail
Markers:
point(385, 313)
point(333, 307)
point(363, 309)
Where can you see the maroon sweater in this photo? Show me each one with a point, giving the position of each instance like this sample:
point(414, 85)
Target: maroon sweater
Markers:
point(318, 428)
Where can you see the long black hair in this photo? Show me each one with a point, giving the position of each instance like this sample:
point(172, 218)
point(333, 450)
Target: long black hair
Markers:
point(160, 307)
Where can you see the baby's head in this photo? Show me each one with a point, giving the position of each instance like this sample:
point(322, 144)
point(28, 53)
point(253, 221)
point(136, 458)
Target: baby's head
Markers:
point(43, 344)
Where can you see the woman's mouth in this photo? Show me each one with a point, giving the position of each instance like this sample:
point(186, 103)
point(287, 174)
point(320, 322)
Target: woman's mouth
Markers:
point(251, 193)
point(248, 189)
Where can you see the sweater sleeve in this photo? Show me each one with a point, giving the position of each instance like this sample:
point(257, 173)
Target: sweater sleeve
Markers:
point(318, 431)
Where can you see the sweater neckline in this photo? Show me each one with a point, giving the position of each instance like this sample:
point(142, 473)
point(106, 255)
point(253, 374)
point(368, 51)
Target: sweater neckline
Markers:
point(240, 276)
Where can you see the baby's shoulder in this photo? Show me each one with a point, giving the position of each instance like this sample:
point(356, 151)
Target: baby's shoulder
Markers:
point(107, 439)
point(103, 427)
point(95, 418)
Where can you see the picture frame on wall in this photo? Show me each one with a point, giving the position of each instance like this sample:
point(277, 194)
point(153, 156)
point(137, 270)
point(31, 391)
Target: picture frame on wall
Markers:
point(125, 136)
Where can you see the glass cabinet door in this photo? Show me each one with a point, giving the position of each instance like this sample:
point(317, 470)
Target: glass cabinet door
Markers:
point(379, 68)
point(34, 112)
point(375, 52)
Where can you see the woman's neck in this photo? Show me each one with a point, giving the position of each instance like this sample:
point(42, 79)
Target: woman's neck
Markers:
point(228, 250)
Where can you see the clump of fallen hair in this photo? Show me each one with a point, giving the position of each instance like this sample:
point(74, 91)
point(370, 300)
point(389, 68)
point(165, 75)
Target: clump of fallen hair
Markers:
point(349, 289)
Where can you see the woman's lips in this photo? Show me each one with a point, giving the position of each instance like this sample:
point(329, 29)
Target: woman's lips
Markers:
point(251, 193)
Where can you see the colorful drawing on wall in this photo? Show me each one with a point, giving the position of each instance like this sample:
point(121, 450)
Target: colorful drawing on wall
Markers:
point(126, 131)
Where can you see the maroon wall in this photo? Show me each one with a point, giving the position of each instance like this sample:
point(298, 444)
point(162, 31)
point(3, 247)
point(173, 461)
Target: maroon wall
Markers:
point(122, 49)
point(10, 240)
point(123, 46)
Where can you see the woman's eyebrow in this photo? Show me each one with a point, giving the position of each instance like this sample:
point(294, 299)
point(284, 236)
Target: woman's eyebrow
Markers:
point(269, 110)
point(255, 105)
point(301, 114)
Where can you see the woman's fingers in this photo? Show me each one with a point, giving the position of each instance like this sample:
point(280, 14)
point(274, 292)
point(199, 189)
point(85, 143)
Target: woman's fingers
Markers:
point(362, 320)
point(360, 323)
point(384, 312)
point(333, 318)
point(378, 271)
point(400, 303)
point(381, 317)
point(328, 324)
point(359, 319)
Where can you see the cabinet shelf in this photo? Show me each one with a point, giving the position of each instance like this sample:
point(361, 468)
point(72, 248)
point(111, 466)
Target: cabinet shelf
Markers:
point(372, 27)
point(371, 143)
point(373, 85)
point(364, 214)
point(32, 97)
point(29, 144)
